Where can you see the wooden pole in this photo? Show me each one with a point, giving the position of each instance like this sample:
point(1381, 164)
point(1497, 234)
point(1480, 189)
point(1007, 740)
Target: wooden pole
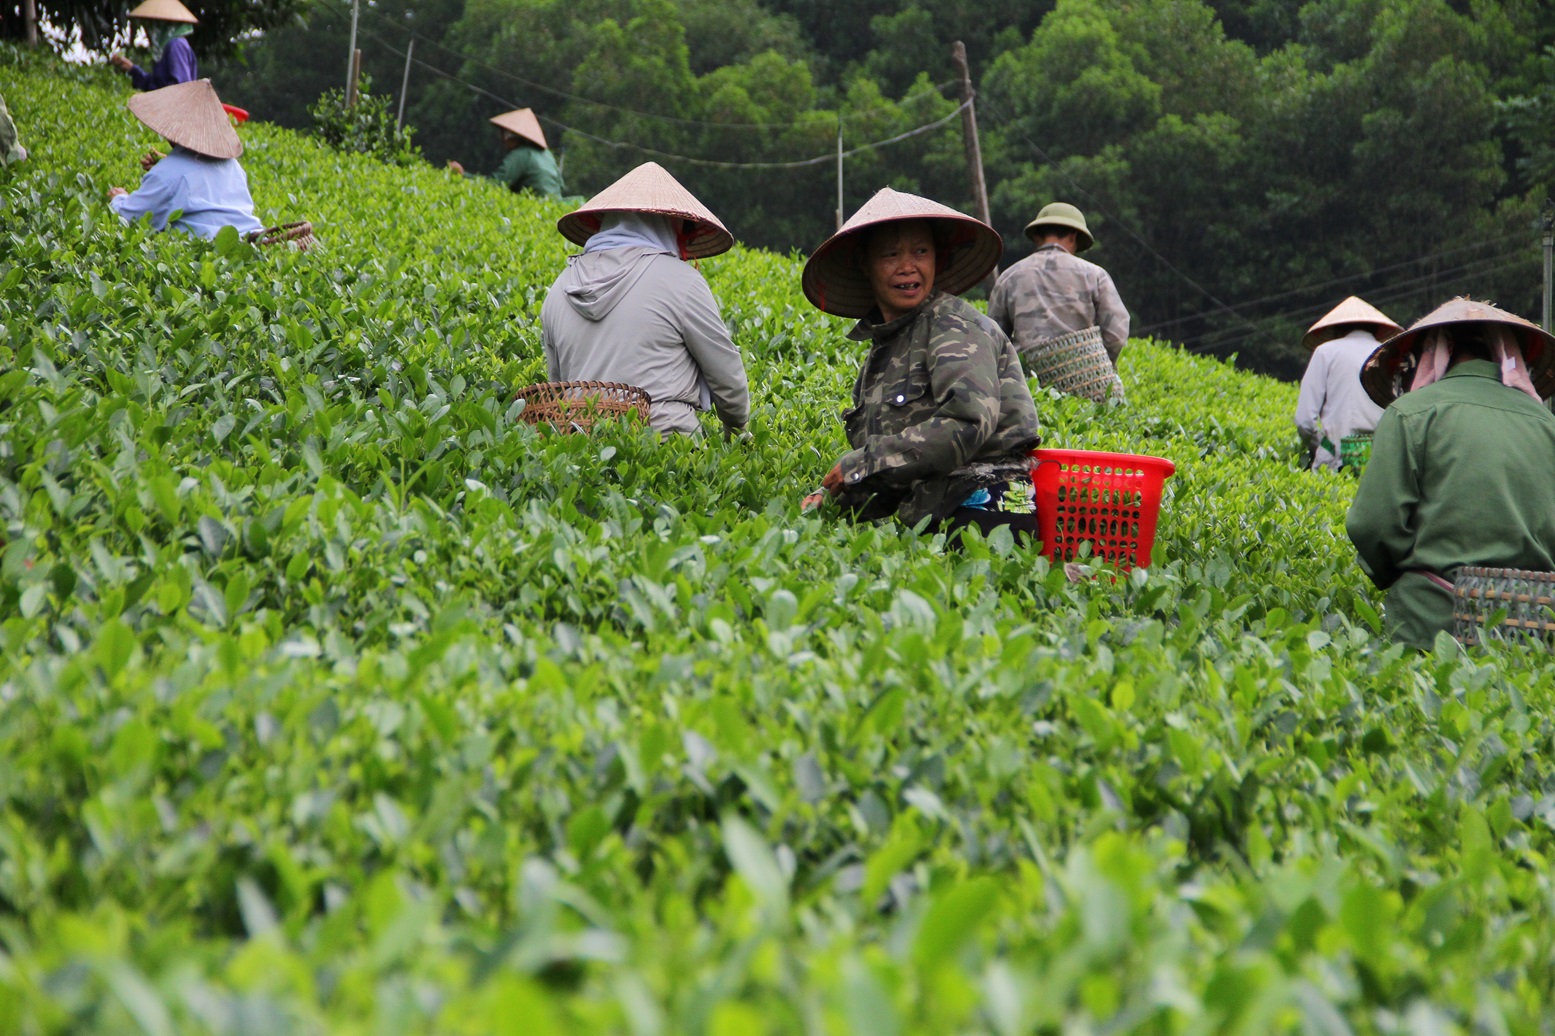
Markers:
point(30, 19)
point(1549, 258)
point(353, 56)
point(974, 151)
point(356, 74)
point(399, 121)
point(839, 167)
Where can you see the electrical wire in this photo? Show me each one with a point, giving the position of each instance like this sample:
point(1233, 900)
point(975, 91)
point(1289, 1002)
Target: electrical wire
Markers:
point(1321, 285)
point(1398, 291)
point(830, 156)
point(343, 10)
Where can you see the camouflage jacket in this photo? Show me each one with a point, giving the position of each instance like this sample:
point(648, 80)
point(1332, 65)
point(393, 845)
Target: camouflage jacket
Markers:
point(940, 408)
point(1051, 293)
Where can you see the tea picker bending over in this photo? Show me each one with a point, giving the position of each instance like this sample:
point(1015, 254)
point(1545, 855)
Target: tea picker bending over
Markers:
point(529, 164)
point(1462, 468)
point(631, 308)
point(942, 420)
point(201, 177)
point(1332, 403)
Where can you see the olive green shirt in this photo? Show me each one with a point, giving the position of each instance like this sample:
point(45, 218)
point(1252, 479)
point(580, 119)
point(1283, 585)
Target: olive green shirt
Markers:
point(529, 168)
point(1462, 472)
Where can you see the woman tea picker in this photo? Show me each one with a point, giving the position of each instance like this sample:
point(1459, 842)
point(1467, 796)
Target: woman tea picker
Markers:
point(631, 309)
point(1332, 404)
point(167, 22)
point(942, 421)
point(201, 178)
point(1462, 468)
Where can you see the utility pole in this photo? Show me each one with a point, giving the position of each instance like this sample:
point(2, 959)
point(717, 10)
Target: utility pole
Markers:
point(1549, 257)
point(399, 122)
point(353, 56)
point(839, 167)
point(30, 19)
point(974, 151)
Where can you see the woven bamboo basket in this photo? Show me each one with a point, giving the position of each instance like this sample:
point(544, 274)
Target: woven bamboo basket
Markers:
point(1528, 598)
point(570, 406)
point(299, 235)
point(1355, 451)
point(1077, 364)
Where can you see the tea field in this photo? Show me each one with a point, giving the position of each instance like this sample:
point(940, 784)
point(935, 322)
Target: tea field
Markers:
point(336, 700)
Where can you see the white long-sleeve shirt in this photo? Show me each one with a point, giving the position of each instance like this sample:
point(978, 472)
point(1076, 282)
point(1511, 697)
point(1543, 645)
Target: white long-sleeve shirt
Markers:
point(210, 192)
point(1332, 403)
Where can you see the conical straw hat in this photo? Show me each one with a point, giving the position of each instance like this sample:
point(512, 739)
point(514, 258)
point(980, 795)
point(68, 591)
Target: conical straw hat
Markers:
point(1384, 373)
point(189, 114)
point(835, 282)
point(650, 188)
point(521, 121)
point(1353, 310)
point(165, 11)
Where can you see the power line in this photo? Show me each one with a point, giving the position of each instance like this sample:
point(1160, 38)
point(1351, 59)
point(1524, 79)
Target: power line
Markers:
point(716, 163)
point(1195, 285)
point(1319, 285)
point(340, 9)
point(1394, 292)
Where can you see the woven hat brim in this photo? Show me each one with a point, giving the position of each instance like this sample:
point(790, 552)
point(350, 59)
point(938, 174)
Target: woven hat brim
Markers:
point(1380, 376)
point(524, 123)
point(1353, 310)
point(164, 11)
point(650, 188)
point(189, 114)
point(1085, 238)
point(835, 283)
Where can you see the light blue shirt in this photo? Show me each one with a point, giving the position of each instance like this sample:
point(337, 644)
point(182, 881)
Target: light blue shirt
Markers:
point(211, 193)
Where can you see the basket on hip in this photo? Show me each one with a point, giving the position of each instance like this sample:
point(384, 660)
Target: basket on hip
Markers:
point(575, 405)
point(1077, 364)
point(1527, 598)
point(1355, 451)
point(299, 235)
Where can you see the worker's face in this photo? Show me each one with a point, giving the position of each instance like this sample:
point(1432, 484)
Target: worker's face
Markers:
point(899, 260)
point(510, 140)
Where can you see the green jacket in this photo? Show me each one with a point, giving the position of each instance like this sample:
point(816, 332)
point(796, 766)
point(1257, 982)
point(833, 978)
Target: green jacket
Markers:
point(530, 168)
point(1462, 472)
point(940, 409)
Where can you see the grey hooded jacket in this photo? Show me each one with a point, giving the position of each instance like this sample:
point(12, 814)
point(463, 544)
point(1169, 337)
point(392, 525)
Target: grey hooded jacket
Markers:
point(644, 317)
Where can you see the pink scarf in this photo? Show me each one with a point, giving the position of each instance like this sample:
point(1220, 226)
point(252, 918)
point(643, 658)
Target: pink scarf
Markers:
point(1436, 357)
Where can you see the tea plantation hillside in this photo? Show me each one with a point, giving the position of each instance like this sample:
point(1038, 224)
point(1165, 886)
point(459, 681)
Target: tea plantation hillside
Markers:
point(335, 700)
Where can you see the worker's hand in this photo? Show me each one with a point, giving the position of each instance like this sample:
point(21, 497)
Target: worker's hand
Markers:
point(119, 61)
point(830, 486)
point(114, 192)
point(455, 168)
point(151, 158)
point(737, 433)
point(832, 483)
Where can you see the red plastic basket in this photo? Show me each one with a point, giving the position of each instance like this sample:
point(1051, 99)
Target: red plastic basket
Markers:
point(1109, 500)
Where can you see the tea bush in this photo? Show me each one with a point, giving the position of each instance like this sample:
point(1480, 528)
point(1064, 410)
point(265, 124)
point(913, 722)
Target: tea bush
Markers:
point(335, 699)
